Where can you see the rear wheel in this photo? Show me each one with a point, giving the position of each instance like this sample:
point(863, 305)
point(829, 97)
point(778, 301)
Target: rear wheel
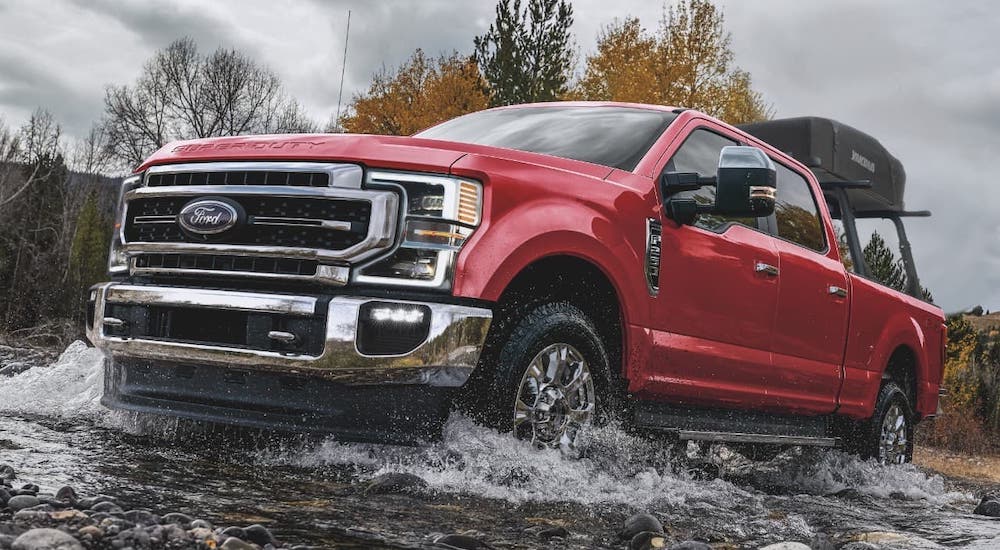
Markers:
point(549, 381)
point(888, 435)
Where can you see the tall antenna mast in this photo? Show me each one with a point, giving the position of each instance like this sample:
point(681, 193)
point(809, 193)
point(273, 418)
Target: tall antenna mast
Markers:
point(343, 68)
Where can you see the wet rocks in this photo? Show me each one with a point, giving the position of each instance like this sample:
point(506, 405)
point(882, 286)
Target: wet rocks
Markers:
point(640, 523)
point(7, 473)
point(67, 494)
point(395, 483)
point(647, 540)
point(259, 535)
point(20, 502)
point(989, 506)
point(553, 532)
point(690, 545)
point(180, 519)
point(461, 542)
point(35, 520)
point(46, 539)
point(786, 546)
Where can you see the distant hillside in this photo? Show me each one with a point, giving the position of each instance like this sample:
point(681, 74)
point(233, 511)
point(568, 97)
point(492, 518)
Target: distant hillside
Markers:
point(984, 323)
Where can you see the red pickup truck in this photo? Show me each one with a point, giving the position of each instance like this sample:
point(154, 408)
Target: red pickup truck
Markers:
point(542, 267)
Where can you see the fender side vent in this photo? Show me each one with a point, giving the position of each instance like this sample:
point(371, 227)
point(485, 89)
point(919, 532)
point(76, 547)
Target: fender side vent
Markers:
point(653, 238)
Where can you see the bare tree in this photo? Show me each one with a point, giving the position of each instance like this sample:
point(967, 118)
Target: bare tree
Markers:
point(182, 94)
point(36, 147)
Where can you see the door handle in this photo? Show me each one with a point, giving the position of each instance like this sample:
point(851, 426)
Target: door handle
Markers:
point(837, 291)
point(766, 269)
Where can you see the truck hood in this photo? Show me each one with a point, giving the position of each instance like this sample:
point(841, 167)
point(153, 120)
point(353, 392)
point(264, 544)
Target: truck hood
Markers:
point(392, 152)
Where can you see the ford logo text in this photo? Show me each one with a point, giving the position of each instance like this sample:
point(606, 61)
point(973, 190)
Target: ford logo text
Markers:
point(208, 217)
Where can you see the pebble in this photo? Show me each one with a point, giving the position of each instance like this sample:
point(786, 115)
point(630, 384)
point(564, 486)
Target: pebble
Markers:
point(859, 546)
point(31, 516)
point(690, 545)
point(647, 540)
point(786, 546)
point(237, 532)
point(142, 517)
point(31, 488)
point(640, 523)
point(201, 524)
point(7, 472)
point(91, 531)
point(553, 532)
point(395, 483)
point(988, 507)
point(20, 502)
point(66, 494)
point(107, 507)
point(178, 518)
point(233, 543)
point(462, 542)
point(4, 497)
point(259, 535)
point(46, 539)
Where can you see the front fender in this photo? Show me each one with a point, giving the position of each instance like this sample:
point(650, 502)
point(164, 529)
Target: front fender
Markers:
point(543, 228)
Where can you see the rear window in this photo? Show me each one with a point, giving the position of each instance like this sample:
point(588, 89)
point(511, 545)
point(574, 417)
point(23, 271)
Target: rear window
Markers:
point(610, 136)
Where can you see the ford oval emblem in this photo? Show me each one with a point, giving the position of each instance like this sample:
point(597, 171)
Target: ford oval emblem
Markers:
point(207, 217)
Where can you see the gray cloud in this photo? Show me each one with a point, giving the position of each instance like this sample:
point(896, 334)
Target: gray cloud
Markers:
point(922, 76)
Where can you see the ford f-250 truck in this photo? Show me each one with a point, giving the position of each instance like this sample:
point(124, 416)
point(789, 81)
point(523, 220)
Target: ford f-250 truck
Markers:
point(542, 267)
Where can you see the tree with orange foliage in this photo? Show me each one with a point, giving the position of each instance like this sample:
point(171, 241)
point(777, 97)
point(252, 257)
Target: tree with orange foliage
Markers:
point(688, 62)
point(419, 94)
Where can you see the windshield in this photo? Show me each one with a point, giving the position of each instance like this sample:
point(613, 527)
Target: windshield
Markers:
point(611, 136)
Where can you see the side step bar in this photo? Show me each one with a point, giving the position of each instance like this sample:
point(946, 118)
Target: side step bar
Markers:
point(734, 426)
point(733, 437)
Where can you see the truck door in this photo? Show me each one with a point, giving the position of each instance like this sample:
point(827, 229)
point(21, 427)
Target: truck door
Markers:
point(810, 328)
point(713, 315)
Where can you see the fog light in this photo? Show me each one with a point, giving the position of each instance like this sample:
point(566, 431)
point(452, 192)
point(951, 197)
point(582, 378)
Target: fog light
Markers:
point(399, 315)
point(387, 328)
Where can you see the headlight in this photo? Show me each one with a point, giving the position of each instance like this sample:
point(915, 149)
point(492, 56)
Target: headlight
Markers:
point(117, 259)
point(441, 213)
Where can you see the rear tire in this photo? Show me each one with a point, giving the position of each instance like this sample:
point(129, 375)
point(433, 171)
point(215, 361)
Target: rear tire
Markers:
point(549, 379)
point(888, 435)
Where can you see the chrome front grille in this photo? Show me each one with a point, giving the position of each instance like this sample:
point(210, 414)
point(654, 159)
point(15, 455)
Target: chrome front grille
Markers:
point(298, 220)
point(308, 222)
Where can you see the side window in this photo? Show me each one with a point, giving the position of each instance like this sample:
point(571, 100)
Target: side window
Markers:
point(795, 211)
point(700, 153)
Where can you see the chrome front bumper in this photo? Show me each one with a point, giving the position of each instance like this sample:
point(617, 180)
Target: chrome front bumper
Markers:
point(446, 358)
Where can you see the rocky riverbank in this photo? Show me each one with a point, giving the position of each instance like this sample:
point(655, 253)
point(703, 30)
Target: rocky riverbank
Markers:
point(34, 520)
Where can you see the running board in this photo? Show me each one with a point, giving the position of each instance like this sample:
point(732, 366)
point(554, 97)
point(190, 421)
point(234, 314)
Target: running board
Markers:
point(733, 425)
point(733, 437)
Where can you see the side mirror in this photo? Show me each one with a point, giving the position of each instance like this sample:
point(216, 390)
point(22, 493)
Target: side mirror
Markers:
point(746, 184)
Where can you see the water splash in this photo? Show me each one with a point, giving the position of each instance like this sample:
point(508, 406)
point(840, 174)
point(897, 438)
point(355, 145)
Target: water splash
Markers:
point(68, 388)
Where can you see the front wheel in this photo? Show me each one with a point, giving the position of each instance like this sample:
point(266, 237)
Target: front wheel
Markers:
point(888, 435)
point(549, 380)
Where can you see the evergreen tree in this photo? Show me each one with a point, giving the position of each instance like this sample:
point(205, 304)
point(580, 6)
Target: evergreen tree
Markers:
point(527, 54)
point(883, 265)
point(886, 268)
point(88, 260)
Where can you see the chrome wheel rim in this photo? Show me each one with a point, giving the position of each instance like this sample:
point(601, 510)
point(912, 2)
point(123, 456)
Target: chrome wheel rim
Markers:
point(555, 399)
point(894, 440)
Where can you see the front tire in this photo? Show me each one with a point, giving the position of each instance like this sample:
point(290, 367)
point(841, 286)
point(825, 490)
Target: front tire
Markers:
point(549, 381)
point(888, 435)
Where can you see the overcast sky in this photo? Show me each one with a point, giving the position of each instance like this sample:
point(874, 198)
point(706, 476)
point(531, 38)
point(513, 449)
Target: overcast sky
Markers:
point(923, 77)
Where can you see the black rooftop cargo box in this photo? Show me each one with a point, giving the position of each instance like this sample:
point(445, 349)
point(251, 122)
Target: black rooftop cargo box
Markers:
point(838, 152)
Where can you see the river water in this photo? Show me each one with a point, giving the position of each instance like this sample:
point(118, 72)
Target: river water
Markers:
point(54, 432)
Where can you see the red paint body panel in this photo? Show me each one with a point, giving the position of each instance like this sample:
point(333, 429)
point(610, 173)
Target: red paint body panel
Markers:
point(718, 333)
